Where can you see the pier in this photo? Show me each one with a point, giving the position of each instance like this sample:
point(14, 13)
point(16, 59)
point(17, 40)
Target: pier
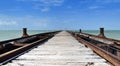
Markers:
point(61, 48)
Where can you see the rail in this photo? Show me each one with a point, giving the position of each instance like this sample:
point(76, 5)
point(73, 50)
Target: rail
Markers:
point(103, 48)
point(10, 49)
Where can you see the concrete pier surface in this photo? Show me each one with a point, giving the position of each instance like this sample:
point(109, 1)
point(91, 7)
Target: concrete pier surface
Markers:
point(61, 50)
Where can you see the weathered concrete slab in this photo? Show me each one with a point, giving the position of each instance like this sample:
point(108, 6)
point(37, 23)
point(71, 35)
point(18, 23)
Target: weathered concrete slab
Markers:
point(61, 50)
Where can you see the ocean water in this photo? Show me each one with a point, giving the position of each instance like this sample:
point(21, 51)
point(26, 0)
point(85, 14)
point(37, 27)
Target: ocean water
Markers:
point(11, 34)
point(115, 34)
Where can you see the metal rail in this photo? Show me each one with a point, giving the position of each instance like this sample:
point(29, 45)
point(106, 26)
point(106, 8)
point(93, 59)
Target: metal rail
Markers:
point(104, 38)
point(113, 59)
point(12, 54)
point(47, 33)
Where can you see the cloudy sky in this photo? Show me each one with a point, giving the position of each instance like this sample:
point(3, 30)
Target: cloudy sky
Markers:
point(59, 14)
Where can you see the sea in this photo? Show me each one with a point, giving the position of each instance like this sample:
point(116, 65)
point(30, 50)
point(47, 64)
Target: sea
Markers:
point(11, 34)
point(115, 34)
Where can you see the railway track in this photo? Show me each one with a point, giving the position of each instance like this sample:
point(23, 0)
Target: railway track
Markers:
point(107, 48)
point(61, 50)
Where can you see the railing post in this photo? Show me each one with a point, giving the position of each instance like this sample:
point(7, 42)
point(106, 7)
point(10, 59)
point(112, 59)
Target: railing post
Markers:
point(25, 32)
point(101, 32)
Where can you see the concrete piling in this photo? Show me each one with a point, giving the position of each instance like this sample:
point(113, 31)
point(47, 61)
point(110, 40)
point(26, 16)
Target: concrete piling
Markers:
point(80, 30)
point(101, 32)
point(25, 32)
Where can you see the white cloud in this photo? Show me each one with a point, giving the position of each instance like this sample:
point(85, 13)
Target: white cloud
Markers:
point(8, 23)
point(28, 21)
point(100, 1)
point(33, 21)
point(41, 24)
point(45, 9)
point(93, 7)
point(45, 5)
point(108, 1)
point(42, 9)
point(52, 2)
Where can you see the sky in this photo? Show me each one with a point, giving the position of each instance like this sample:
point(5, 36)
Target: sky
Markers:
point(59, 14)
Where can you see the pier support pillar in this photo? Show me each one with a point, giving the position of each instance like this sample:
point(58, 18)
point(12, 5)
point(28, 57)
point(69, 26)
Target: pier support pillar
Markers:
point(80, 30)
point(25, 32)
point(1, 47)
point(101, 32)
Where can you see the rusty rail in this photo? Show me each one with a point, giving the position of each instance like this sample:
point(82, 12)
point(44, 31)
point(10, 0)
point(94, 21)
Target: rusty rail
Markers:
point(47, 33)
point(12, 54)
point(108, 56)
point(113, 59)
point(16, 52)
point(102, 36)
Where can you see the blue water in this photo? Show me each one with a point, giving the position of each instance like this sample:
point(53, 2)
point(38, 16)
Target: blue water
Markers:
point(115, 34)
point(10, 34)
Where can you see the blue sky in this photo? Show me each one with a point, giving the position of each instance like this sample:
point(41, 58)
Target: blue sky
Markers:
point(59, 14)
